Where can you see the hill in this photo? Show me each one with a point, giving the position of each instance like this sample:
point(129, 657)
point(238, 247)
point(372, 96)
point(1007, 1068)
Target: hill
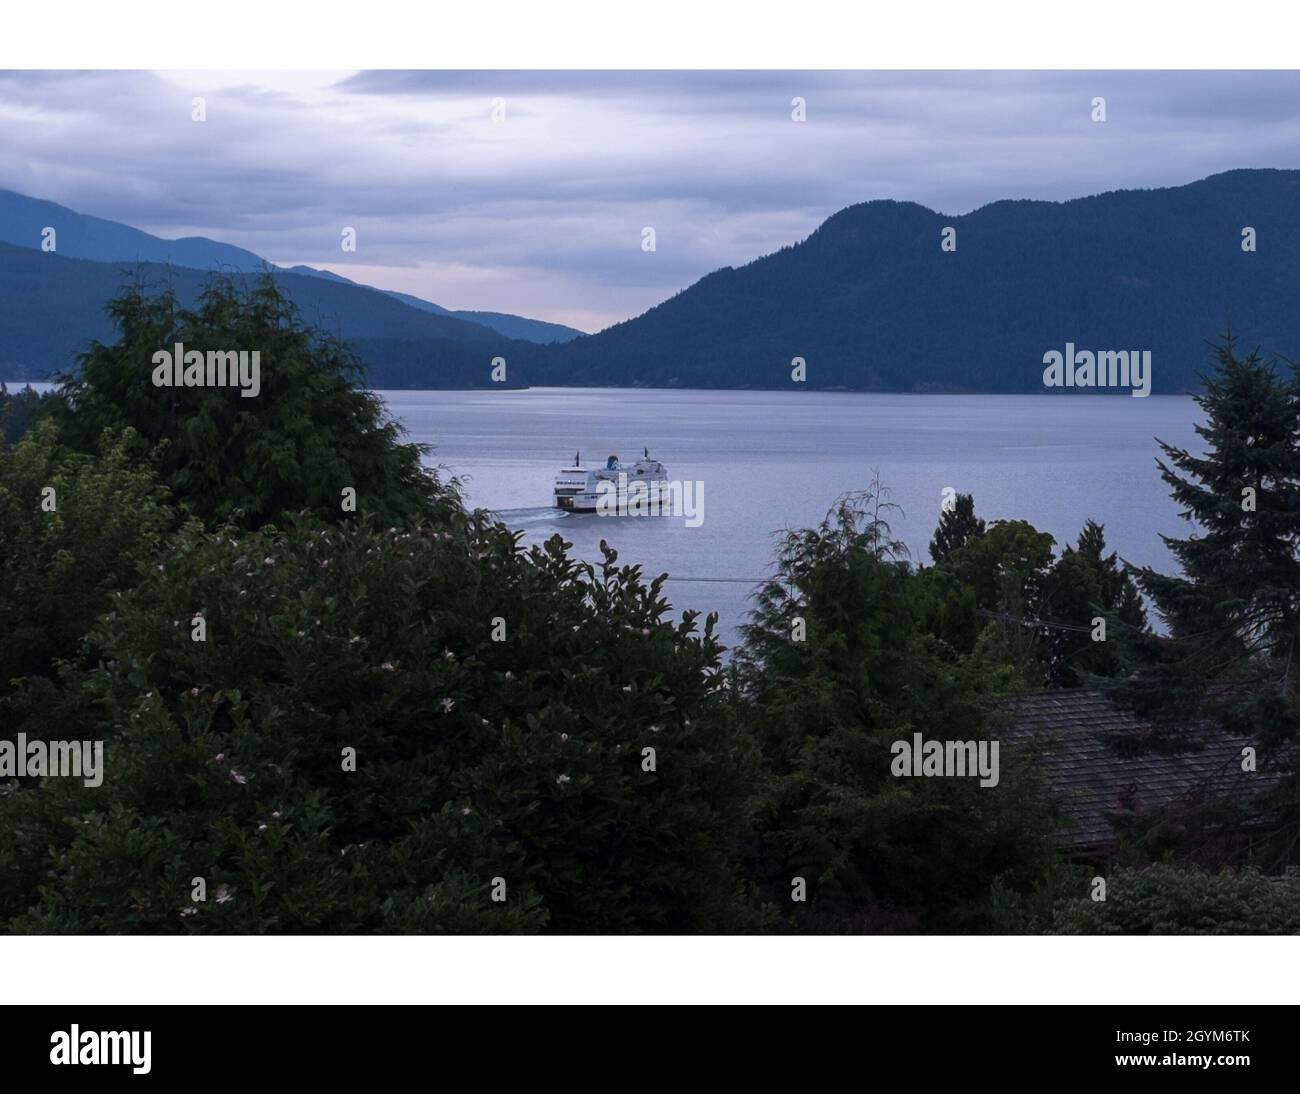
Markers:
point(23, 220)
point(871, 302)
point(51, 306)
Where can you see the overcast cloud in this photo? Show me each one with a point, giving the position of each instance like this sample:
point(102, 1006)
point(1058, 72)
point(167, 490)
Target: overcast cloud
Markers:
point(541, 214)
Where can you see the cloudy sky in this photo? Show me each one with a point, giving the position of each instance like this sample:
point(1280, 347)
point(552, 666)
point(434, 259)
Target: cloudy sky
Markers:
point(541, 213)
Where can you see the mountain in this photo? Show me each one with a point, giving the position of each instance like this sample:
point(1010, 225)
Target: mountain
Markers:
point(512, 326)
point(23, 221)
point(52, 305)
point(871, 302)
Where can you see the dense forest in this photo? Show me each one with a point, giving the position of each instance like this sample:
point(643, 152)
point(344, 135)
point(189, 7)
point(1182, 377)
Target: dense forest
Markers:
point(346, 703)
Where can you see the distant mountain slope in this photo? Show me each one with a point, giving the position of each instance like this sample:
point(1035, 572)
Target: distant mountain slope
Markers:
point(512, 326)
point(51, 306)
point(516, 326)
point(24, 219)
point(871, 302)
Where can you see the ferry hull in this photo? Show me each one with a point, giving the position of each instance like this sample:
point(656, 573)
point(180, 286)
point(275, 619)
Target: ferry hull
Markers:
point(613, 489)
point(576, 503)
point(589, 502)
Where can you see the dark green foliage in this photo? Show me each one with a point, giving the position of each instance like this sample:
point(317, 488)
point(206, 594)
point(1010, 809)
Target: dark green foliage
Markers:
point(1003, 577)
point(1036, 611)
point(1165, 899)
point(19, 411)
point(1008, 567)
point(311, 433)
point(958, 525)
point(1233, 613)
point(475, 759)
point(59, 569)
point(877, 851)
point(1086, 584)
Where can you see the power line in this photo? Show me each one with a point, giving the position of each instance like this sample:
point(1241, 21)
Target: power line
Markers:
point(736, 580)
point(1007, 618)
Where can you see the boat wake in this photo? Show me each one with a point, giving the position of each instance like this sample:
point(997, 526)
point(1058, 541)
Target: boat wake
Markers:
point(533, 517)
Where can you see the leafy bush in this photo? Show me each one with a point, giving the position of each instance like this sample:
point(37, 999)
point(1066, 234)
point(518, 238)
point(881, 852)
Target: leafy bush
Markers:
point(1165, 899)
point(476, 759)
point(63, 554)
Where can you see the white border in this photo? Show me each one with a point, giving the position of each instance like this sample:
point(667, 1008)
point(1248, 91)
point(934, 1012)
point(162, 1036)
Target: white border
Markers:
point(975, 971)
point(850, 34)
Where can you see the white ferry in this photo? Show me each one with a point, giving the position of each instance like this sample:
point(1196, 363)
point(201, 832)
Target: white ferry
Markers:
point(581, 490)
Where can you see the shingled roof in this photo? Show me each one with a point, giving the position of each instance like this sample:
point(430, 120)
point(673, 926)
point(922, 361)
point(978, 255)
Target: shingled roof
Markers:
point(1068, 732)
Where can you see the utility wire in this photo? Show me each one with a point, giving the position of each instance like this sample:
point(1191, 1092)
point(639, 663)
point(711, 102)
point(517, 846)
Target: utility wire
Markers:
point(737, 580)
point(1006, 618)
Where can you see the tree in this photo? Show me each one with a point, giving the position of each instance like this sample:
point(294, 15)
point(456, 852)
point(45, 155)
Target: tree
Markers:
point(1232, 650)
point(1038, 610)
point(376, 725)
point(311, 434)
point(19, 412)
point(836, 667)
point(958, 525)
point(74, 530)
point(1085, 585)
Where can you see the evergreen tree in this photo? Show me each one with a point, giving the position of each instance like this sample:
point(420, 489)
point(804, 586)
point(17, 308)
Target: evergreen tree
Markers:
point(958, 525)
point(1233, 612)
point(1086, 585)
point(19, 411)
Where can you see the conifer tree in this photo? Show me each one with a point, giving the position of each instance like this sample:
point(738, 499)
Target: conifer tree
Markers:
point(1091, 604)
point(1233, 613)
point(958, 525)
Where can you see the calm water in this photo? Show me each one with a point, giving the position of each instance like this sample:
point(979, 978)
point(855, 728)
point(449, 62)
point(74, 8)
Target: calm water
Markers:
point(772, 460)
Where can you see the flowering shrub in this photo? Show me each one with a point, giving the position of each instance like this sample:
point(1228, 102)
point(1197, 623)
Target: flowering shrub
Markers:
point(376, 724)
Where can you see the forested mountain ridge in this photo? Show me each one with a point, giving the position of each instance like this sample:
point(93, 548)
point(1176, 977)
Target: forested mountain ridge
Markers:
point(51, 307)
point(871, 301)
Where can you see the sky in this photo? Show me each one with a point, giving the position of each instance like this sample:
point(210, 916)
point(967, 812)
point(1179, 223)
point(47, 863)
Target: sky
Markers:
point(540, 211)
